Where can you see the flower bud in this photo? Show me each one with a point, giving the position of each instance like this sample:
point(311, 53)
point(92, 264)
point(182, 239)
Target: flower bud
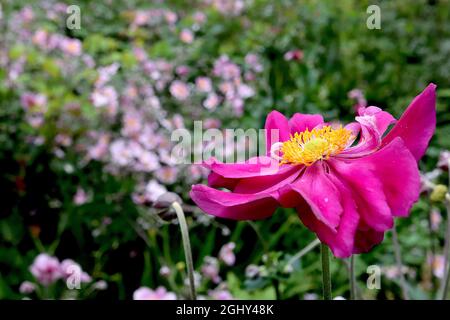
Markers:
point(438, 193)
point(164, 205)
point(166, 200)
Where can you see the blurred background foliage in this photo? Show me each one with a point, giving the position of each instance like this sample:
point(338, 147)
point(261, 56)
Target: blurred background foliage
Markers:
point(334, 52)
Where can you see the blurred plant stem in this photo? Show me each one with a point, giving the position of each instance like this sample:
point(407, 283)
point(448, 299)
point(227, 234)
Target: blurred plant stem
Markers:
point(276, 286)
point(326, 279)
point(260, 237)
point(302, 252)
point(398, 261)
point(187, 248)
point(351, 269)
point(445, 280)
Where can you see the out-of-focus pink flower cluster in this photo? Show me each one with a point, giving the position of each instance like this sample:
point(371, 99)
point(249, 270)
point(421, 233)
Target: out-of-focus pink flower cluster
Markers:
point(132, 125)
point(160, 293)
point(48, 269)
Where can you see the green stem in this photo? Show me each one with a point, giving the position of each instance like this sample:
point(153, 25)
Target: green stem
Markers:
point(276, 286)
point(187, 248)
point(398, 260)
point(352, 278)
point(326, 279)
point(445, 280)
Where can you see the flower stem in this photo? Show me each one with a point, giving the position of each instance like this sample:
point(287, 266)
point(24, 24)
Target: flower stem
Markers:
point(302, 252)
point(445, 280)
point(398, 260)
point(187, 248)
point(352, 278)
point(276, 287)
point(326, 279)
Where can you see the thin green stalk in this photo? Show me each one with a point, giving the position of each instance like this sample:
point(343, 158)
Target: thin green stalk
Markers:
point(303, 252)
point(398, 260)
point(276, 286)
point(445, 280)
point(326, 278)
point(352, 278)
point(187, 248)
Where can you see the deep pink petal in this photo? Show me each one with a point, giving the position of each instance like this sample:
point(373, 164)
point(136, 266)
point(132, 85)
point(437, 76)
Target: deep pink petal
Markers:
point(366, 238)
point(369, 140)
point(268, 184)
point(417, 124)
point(371, 124)
point(277, 129)
point(233, 205)
point(300, 122)
point(380, 119)
point(217, 181)
point(367, 191)
point(341, 242)
point(321, 195)
point(254, 167)
point(396, 168)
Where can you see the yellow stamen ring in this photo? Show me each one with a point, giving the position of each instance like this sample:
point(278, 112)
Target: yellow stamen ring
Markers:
point(318, 144)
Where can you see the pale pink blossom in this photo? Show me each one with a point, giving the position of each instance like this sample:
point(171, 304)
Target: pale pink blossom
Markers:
point(226, 69)
point(226, 254)
point(220, 294)
point(165, 271)
point(182, 70)
point(228, 89)
point(171, 17)
point(140, 54)
point(147, 161)
point(178, 121)
point(40, 38)
point(212, 101)
point(71, 47)
point(229, 7)
point(167, 175)
point(141, 18)
point(27, 287)
point(187, 36)
point(27, 14)
point(199, 17)
point(35, 102)
point(80, 197)
point(100, 149)
point(444, 160)
point(203, 84)
point(161, 293)
point(179, 90)
point(238, 106)
point(36, 120)
point(438, 266)
point(294, 55)
point(210, 269)
point(106, 73)
point(209, 123)
point(120, 152)
point(46, 269)
point(153, 190)
point(245, 91)
point(252, 60)
point(132, 123)
point(63, 140)
point(435, 219)
point(104, 97)
point(69, 268)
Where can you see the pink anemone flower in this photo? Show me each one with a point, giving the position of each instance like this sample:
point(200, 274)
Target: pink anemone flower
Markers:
point(346, 183)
